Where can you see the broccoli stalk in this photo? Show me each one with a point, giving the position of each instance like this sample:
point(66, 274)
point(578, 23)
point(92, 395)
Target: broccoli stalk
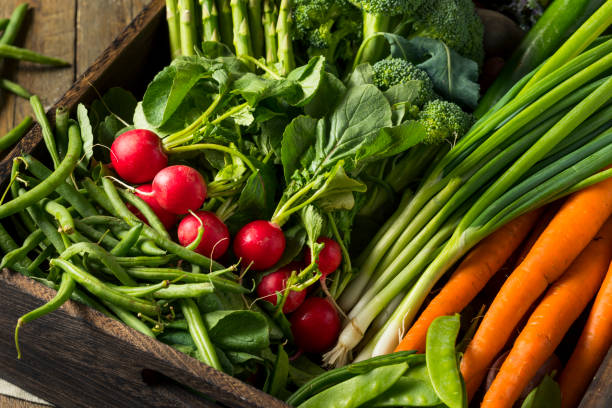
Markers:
point(240, 23)
point(255, 23)
point(269, 21)
point(210, 20)
point(283, 30)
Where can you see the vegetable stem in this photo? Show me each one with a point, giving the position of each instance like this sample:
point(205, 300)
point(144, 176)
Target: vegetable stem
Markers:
point(173, 28)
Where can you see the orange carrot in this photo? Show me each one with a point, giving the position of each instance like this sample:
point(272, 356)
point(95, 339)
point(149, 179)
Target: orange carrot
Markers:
point(470, 277)
point(594, 342)
point(567, 234)
point(552, 318)
point(536, 231)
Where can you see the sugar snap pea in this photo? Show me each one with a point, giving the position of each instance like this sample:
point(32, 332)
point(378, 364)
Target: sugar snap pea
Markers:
point(442, 363)
point(170, 274)
point(104, 292)
point(128, 241)
point(18, 254)
point(337, 375)
point(103, 256)
point(66, 287)
point(65, 190)
point(50, 184)
point(199, 334)
point(358, 390)
point(413, 389)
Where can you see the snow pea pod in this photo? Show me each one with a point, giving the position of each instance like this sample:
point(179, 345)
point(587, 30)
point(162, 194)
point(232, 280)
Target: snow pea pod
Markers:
point(337, 375)
point(441, 359)
point(50, 184)
point(357, 390)
point(413, 389)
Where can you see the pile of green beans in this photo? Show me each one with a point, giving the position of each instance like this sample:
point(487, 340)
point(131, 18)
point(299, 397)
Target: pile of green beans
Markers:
point(79, 237)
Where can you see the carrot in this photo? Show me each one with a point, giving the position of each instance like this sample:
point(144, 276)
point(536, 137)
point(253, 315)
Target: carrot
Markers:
point(470, 277)
point(567, 234)
point(594, 342)
point(562, 304)
point(536, 231)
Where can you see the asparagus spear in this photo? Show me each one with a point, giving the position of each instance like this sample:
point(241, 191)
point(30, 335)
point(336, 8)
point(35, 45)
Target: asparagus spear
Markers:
point(240, 20)
point(283, 29)
point(225, 22)
point(255, 24)
point(187, 26)
point(210, 20)
point(270, 15)
point(173, 28)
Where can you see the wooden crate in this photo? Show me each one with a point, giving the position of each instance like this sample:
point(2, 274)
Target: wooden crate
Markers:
point(77, 357)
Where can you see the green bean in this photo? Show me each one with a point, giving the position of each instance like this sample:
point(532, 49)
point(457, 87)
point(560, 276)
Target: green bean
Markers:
point(358, 390)
point(61, 130)
point(10, 51)
point(47, 227)
point(78, 296)
point(187, 277)
point(63, 293)
point(338, 375)
point(141, 291)
point(107, 221)
point(7, 244)
point(127, 242)
point(25, 218)
point(47, 132)
point(196, 242)
point(18, 254)
point(65, 190)
point(12, 29)
point(104, 292)
point(145, 260)
point(148, 247)
point(98, 195)
point(413, 389)
point(50, 184)
point(187, 290)
point(172, 247)
point(14, 88)
point(99, 253)
point(95, 235)
point(3, 23)
point(130, 320)
point(146, 211)
point(198, 332)
point(178, 324)
point(42, 257)
point(61, 214)
point(442, 363)
point(15, 134)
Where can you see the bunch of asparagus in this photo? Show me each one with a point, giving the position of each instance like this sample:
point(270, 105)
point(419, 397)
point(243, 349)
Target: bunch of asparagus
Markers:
point(252, 29)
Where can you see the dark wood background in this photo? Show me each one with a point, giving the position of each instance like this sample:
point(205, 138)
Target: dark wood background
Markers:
point(74, 30)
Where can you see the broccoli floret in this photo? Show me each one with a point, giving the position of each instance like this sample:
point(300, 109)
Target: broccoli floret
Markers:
point(393, 71)
point(454, 22)
point(444, 120)
point(330, 28)
point(389, 8)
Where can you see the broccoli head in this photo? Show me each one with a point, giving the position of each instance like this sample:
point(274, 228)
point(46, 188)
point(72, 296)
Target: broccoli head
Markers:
point(328, 27)
point(393, 71)
point(389, 7)
point(454, 22)
point(444, 120)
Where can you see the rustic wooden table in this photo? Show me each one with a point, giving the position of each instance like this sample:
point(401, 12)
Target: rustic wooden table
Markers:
point(74, 30)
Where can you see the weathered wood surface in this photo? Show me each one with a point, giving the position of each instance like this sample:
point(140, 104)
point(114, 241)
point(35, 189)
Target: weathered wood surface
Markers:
point(599, 394)
point(74, 30)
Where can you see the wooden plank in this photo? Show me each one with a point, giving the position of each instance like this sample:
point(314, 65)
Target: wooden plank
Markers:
point(8, 402)
point(599, 394)
point(48, 28)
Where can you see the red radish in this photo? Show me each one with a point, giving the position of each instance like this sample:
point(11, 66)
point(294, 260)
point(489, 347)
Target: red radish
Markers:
point(144, 192)
point(259, 243)
point(179, 189)
point(277, 282)
point(215, 240)
point(315, 325)
point(330, 256)
point(137, 155)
